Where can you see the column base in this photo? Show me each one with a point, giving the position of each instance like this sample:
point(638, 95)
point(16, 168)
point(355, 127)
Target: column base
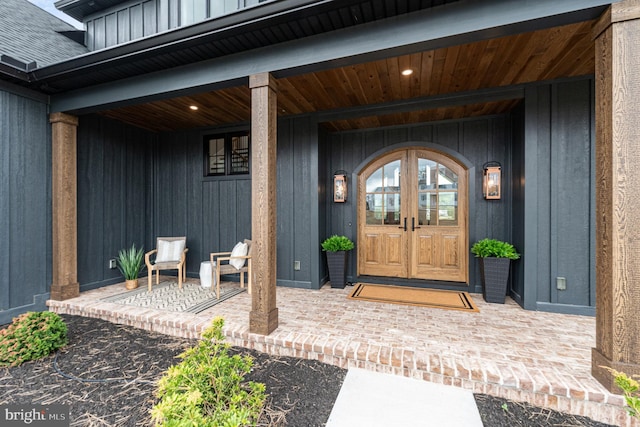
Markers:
point(263, 323)
point(598, 364)
point(66, 291)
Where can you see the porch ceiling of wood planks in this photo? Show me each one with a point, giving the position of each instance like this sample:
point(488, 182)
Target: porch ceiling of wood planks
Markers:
point(554, 53)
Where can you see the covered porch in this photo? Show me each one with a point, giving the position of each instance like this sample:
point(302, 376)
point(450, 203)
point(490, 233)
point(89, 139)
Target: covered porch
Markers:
point(504, 350)
point(523, 93)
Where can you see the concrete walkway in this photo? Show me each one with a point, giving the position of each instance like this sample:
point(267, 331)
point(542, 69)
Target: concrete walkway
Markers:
point(373, 399)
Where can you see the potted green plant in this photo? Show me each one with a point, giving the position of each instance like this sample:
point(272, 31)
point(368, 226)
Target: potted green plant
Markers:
point(337, 248)
point(130, 263)
point(495, 260)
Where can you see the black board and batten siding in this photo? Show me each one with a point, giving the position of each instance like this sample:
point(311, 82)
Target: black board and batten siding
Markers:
point(114, 198)
point(25, 204)
point(134, 185)
point(519, 268)
point(556, 207)
point(299, 199)
point(215, 212)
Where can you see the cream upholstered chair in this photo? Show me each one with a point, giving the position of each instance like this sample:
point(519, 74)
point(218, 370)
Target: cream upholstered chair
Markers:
point(171, 253)
point(238, 261)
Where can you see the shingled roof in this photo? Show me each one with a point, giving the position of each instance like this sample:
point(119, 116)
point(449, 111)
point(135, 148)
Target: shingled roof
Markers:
point(28, 33)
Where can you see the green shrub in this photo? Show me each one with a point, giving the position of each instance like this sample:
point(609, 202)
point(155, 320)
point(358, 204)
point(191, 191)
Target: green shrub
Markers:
point(206, 389)
point(31, 336)
point(630, 389)
point(337, 243)
point(487, 248)
point(130, 262)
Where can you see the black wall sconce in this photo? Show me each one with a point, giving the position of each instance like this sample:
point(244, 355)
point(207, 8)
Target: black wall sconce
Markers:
point(491, 180)
point(340, 186)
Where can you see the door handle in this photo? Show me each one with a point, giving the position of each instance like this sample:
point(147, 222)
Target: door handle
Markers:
point(413, 224)
point(405, 224)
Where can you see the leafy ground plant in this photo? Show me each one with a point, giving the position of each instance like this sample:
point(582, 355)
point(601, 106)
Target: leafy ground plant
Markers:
point(31, 336)
point(487, 248)
point(630, 388)
point(337, 243)
point(207, 388)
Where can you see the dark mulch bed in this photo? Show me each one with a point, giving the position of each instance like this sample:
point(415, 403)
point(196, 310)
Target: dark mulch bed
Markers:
point(118, 366)
point(499, 412)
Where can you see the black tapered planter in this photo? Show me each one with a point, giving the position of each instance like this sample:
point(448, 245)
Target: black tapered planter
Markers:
point(337, 262)
point(495, 276)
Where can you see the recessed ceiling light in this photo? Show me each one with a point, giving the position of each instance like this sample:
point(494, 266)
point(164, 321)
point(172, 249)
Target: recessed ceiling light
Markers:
point(407, 72)
point(193, 107)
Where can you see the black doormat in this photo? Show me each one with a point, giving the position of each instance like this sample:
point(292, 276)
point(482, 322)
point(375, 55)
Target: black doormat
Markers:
point(436, 298)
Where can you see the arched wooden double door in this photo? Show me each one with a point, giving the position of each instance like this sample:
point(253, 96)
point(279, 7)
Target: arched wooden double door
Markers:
point(413, 217)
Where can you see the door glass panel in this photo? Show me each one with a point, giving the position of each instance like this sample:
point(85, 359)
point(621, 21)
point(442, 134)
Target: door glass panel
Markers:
point(448, 208)
point(437, 194)
point(374, 182)
point(426, 174)
point(433, 209)
point(392, 209)
point(446, 178)
point(374, 208)
point(383, 195)
point(423, 204)
point(427, 205)
point(392, 176)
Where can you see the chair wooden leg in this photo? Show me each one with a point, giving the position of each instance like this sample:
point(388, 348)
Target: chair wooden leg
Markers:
point(218, 282)
point(179, 277)
point(157, 277)
point(250, 279)
point(150, 278)
point(242, 279)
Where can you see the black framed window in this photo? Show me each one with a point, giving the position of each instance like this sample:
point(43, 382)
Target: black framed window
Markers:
point(227, 154)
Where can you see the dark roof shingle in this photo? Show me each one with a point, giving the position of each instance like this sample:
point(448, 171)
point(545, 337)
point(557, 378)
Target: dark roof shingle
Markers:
point(28, 33)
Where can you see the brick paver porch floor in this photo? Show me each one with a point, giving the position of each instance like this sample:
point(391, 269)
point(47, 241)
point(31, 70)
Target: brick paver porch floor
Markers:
point(541, 358)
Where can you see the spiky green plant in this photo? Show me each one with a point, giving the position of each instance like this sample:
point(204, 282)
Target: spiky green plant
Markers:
point(130, 262)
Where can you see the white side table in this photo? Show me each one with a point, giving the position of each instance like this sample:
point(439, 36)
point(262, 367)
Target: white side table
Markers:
point(205, 274)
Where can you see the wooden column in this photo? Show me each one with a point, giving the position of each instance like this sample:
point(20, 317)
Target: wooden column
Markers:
point(263, 318)
point(617, 188)
point(64, 199)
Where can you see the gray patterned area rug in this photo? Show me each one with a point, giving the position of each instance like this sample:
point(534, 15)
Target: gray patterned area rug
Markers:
point(193, 298)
